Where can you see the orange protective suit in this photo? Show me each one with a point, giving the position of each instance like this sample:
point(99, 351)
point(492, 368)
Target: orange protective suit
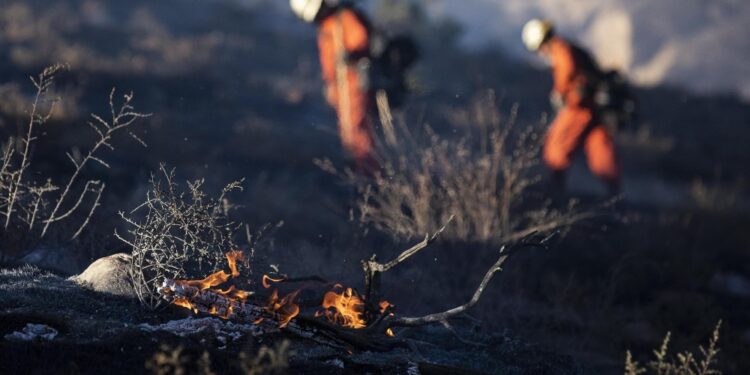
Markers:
point(575, 124)
point(343, 37)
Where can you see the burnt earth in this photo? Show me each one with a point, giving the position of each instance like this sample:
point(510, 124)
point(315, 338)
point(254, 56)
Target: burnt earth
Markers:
point(102, 333)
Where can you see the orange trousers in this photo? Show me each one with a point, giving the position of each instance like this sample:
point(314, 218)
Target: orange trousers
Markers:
point(355, 129)
point(572, 129)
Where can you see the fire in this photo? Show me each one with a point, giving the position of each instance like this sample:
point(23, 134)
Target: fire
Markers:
point(234, 293)
point(345, 309)
point(267, 280)
point(220, 277)
point(384, 306)
point(181, 301)
point(283, 309)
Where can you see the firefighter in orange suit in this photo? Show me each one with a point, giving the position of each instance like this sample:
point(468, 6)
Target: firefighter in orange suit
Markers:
point(344, 45)
point(576, 125)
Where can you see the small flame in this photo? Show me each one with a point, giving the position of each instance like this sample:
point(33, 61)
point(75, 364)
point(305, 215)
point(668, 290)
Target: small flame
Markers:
point(220, 277)
point(181, 301)
point(234, 293)
point(267, 280)
point(345, 309)
point(232, 258)
point(384, 306)
point(284, 308)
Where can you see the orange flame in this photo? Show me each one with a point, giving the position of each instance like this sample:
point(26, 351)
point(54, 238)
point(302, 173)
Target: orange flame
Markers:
point(220, 277)
point(232, 258)
point(345, 309)
point(267, 280)
point(385, 305)
point(181, 301)
point(284, 309)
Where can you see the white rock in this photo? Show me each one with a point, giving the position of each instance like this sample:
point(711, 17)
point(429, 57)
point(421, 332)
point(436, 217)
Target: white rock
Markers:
point(108, 275)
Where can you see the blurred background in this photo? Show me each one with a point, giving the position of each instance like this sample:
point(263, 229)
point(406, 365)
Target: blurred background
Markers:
point(235, 92)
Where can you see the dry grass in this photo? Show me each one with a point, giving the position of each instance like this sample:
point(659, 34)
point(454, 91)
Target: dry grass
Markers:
point(30, 205)
point(685, 363)
point(482, 178)
point(173, 361)
point(713, 195)
point(267, 361)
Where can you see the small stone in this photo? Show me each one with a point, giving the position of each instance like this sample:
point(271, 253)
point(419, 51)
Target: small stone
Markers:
point(108, 275)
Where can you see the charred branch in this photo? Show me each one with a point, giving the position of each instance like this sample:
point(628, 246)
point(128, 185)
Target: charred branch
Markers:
point(443, 317)
point(373, 269)
point(309, 328)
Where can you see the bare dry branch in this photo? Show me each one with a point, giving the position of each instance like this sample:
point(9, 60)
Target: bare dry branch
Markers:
point(443, 317)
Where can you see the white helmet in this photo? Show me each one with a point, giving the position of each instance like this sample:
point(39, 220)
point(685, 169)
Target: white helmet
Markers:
point(306, 9)
point(535, 33)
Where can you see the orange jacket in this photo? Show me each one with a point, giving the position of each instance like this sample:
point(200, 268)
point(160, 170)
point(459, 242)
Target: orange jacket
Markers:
point(343, 38)
point(568, 73)
point(356, 43)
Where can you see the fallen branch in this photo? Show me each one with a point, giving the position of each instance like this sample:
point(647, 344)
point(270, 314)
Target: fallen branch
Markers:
point(443, 317)
point(373, 269)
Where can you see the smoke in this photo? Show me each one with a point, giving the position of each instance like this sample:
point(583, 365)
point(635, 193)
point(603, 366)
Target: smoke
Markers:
point(701, 45)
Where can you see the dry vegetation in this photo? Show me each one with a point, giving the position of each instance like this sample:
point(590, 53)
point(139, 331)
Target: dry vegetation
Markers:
point(29, 206)
point(481, 179)
point(173, 361)
point(182, 233)
point(267, 360)
point(685, 363)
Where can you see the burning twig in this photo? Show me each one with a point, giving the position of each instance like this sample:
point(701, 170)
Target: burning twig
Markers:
point(349, 324)
point(275, 315)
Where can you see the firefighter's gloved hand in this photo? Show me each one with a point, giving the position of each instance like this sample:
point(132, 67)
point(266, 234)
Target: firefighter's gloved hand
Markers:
point(556, 100)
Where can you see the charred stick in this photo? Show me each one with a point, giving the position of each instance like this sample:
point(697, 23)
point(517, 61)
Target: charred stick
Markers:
point(443, 317)
point(373, 269)
point(317, 330)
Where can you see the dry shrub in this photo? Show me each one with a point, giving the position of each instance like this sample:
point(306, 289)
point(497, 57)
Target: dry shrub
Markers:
point(29, 205)
point(713, 195)
point(267, 361)
point(174, 361)
point(481, 177)
point(182, 233)
point(685, 363)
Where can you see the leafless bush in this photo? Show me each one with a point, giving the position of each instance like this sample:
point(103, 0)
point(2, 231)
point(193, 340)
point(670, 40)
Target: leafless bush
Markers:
point(28, 207)
point(183, 233)
point(479, 178)
point(713, 195)
point(685, 363)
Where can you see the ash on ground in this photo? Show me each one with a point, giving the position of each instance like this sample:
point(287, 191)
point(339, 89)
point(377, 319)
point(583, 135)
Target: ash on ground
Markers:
point(96, 329)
